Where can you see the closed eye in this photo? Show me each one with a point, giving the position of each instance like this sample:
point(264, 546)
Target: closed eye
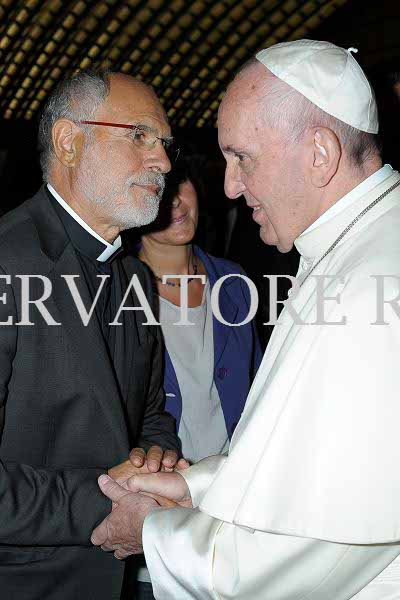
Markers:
point(138, 134)
point(167, 142)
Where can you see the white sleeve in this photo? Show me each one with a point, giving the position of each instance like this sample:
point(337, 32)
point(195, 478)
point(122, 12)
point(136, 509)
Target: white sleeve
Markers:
point(200, 476)
point(178, 545)
point(192, 556)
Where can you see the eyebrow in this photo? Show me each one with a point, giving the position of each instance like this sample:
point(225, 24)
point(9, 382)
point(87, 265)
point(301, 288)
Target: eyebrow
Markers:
point(150, 129)
point(232, 150)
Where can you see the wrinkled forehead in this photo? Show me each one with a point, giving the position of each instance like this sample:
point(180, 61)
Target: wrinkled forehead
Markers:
point(130, 100)
point(238, 118)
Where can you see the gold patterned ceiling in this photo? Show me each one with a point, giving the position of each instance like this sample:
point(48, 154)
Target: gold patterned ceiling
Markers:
point(188, 50)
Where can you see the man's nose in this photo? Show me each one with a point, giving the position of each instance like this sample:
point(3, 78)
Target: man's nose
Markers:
point(157, 159)
point(233, 186)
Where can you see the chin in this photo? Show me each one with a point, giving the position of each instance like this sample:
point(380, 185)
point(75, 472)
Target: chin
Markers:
point(147, 217)
point(180, 238)
point(273, 240)
point(268, 241)
point(285, 246)
point(284, 249)
point(180, 241)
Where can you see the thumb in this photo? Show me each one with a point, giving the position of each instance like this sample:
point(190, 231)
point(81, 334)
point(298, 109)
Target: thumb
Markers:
point(169, 485)
point(111, 488)
point(152, 483)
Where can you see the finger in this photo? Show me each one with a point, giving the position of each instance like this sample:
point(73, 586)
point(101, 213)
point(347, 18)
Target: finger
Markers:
point(105, 547)
point(121, 553)
point(100, 534)
point(182, 464)
point(170, 458)
point(154, 458)
point(111, 488)
point(108, 547)
point(137, 457)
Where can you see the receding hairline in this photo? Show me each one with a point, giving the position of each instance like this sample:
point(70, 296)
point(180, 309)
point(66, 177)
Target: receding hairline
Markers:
point(126, 94)
point(118, 77)
point(250, 87)
point(261, 76)
point(119, 81)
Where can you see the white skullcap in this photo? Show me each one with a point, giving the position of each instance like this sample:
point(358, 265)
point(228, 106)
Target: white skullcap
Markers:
point(328, 76)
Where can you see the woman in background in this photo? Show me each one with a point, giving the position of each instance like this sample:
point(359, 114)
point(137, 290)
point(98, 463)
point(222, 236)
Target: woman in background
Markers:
point(209, 366)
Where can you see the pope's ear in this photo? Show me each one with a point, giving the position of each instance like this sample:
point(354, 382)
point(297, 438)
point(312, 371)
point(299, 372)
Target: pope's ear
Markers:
point(326, 156)
point(67, 140)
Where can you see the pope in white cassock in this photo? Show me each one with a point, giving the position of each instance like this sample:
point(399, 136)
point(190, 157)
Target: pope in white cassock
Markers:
point(306, 506)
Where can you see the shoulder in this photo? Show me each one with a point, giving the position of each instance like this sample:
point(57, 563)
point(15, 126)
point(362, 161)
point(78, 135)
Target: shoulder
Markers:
point(18, 235)
point(219, 266)
point(15, 219)
point(368, 274)
point(226, 267)
point(136, 268)
point(235, 286)
point(137, 265)
point(375, 250)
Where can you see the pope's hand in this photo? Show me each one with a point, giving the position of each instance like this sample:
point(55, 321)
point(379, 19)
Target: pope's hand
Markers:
point(121, 530)
point(165, 485)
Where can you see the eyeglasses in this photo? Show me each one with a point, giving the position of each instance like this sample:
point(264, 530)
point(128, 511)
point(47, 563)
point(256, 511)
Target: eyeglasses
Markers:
point(143, 137)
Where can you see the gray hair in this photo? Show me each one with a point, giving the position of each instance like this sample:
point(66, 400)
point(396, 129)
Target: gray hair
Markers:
point(291, 112)
point(76, 97)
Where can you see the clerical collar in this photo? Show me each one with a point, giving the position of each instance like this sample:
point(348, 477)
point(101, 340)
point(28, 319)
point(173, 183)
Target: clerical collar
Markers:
point(84, 238)
point(360, 190)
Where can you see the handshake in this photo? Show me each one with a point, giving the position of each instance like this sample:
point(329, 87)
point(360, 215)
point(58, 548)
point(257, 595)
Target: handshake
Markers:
point(136, 486)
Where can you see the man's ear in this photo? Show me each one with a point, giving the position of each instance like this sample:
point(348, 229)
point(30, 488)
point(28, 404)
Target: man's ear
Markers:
point(326, 156)
point(67, 142)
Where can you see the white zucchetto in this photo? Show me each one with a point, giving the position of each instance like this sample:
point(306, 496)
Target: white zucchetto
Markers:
point(328, 76)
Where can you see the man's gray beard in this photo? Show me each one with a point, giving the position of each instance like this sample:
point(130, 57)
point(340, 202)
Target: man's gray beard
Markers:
point(128, 215)
point(143, 215)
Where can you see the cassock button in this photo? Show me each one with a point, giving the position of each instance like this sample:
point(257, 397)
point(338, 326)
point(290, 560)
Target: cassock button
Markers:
point(222, 373)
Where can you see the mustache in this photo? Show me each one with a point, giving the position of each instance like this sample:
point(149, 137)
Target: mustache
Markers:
point(157, 179)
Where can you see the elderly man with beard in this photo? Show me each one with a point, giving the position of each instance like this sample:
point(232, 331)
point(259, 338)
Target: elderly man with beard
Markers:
point(306, 506)
point(76, 398)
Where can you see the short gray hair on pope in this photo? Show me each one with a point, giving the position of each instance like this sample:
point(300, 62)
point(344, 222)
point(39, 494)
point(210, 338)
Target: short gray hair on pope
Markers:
point(288, 110)
point(76, 97)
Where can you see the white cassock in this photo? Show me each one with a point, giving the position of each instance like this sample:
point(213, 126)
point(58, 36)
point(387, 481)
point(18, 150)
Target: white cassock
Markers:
point(307, 504)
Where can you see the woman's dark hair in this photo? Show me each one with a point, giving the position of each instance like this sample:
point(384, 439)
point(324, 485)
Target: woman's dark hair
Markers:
point(187, 168)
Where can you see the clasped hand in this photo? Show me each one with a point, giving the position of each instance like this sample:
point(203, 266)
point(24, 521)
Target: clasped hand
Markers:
point(121, 530)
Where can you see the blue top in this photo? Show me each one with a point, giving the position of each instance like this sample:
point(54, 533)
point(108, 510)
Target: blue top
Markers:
point(237, 351)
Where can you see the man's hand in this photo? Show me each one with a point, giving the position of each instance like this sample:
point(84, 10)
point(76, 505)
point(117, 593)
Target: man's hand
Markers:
point(139, 462)
point(162, 485)
point(121, 530)
point(156, 459)
point(120, 473)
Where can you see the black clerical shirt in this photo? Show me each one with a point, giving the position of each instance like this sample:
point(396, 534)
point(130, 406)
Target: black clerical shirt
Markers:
point(88, 250)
